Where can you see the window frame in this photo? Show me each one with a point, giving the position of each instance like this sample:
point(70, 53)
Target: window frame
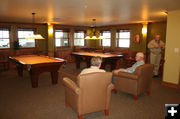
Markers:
point(101, 41)
point(117, 39)
point(78, 31)
point(24, 29)
point(6, 38)
point(64, 30)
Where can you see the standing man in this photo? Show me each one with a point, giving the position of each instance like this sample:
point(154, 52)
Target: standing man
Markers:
point(156, 46)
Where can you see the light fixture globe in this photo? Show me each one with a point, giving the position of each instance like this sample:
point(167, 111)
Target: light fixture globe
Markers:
point(93, 32)
point(34, 36)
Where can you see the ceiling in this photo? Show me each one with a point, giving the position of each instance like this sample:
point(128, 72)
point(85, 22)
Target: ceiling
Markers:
point(81, 12)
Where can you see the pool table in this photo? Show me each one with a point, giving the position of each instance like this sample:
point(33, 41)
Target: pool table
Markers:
point(35, 65)
point(107, 58)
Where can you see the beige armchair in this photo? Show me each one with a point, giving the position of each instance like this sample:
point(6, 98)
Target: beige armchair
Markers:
point(137, 83)
point(91, 93)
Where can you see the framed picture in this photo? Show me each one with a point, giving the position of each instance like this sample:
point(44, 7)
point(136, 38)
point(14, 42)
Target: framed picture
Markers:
point(137, 38)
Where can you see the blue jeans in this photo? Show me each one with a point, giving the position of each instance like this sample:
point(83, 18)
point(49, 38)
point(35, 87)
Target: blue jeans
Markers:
point(112, 79)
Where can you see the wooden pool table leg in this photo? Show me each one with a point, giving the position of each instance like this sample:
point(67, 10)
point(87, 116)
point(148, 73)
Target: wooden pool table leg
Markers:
point(34, 79)
point(103, 65)
point(78, 61)
point(113, 65)
point(88, 62)
point(54, 77)
point(20, 70)
point(78, 64)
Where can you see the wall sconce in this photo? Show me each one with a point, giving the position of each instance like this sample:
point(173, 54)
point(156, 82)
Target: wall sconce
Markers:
point(144, 30)
point(50, 29)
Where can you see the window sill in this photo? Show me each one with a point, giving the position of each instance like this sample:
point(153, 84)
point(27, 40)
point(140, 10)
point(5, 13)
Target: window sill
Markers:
point(4, 48)
point(122, 47)
point(27, 48)
point(79, 45)
point(62, 46)
point(105, 46)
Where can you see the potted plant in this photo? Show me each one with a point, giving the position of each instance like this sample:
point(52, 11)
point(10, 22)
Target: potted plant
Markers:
point(15, 46)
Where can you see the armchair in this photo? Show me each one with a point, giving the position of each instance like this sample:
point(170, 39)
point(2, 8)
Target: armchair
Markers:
point(91, 93)
point(137, 83)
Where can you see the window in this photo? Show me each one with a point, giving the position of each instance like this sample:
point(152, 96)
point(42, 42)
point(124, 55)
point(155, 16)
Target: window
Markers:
point(25, 43)
point(79, 38)
point(123, 38)
point(4, 38)
point(62, 38)
point(107, 38)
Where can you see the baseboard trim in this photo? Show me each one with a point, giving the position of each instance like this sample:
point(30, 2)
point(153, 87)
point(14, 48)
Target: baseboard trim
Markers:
point(170, 84)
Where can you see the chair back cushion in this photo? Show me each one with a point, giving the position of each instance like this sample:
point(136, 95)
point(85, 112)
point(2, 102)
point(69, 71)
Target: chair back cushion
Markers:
point(145, 74)
point(93, 88)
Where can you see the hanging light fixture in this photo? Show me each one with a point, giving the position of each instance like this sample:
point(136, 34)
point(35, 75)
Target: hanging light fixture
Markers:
point(34, 36)
point(93, 32)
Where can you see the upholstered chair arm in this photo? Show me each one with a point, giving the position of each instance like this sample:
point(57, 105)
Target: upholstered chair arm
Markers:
point(127, 75)
point(71, 85)
point(109, 89)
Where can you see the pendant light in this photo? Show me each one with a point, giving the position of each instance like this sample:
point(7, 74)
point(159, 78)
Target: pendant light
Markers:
point(92, 32)
point(34, 36)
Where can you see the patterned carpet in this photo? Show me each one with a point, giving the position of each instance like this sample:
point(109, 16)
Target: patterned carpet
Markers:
point(19, 101)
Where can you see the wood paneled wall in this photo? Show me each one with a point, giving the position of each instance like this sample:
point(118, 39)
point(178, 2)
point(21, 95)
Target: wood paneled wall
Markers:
point(65, 54)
